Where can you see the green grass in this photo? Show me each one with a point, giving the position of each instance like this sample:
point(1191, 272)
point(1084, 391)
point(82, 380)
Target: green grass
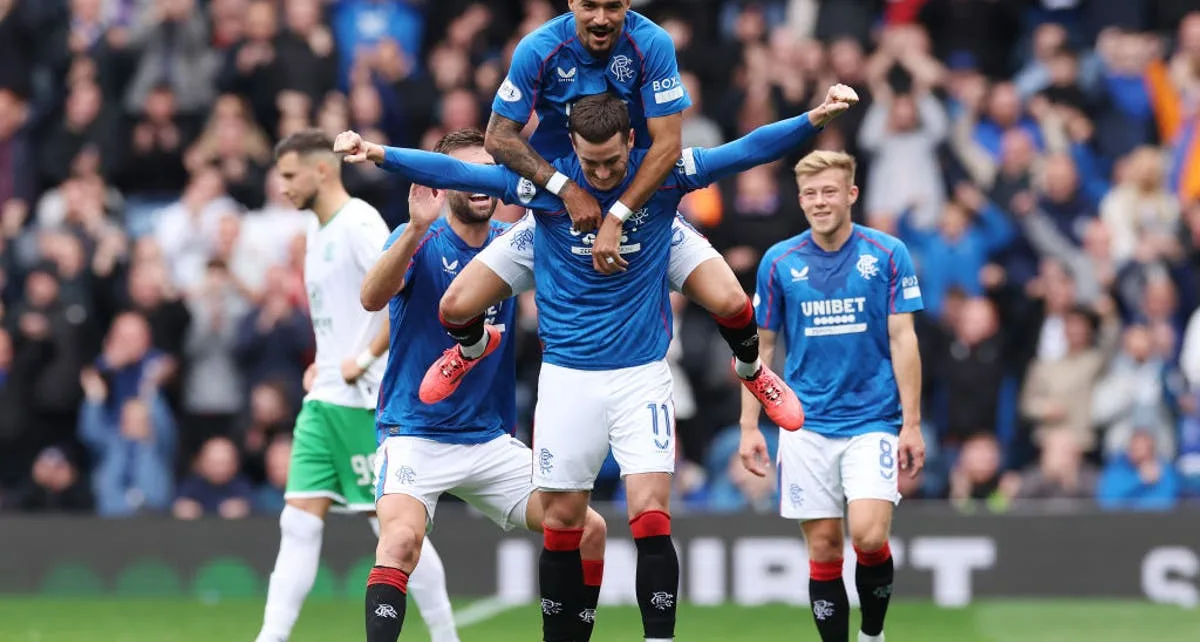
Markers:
point(171, 620)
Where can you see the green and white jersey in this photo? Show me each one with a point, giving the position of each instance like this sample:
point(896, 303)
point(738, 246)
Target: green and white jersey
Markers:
point(337, 258)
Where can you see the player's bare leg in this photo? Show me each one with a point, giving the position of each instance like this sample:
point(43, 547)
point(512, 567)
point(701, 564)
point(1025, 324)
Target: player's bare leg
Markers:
point(427, 586)
point(560, 567)
point(826, 589)
point(472, 292)
point(301, 527)
point(591, 552)
point(713, 286)
point(870, 524)
point(402, 522)
point(657, 584)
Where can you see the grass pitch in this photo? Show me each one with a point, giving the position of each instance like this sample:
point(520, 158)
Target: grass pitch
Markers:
point(181, 620)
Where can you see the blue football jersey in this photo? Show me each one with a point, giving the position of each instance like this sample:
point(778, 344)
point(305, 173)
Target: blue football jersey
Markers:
point(550, 70)
point(484, 407)
point(831, 310)
point(591, 321)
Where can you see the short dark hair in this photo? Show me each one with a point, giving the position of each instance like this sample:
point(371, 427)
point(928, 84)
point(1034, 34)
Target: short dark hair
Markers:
point(459, 139)
point(305, 142)
point(599, 117)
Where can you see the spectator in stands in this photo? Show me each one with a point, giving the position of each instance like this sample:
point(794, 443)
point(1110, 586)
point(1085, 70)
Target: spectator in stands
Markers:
point(132, 441)
point(1139, 479)
point(215, 487)
point(976, 478)
point(1130, 396)
point(171, 41)
point(274, 339)
point(54, 487)
point(272, 413)
point(970, 361)
point(268, 497)
point(213, 391)
point(1061, 475)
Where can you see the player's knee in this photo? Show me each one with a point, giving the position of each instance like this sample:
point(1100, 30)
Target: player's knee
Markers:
point(870, 538)
point(399, 546)
point(730, 300)
point(565, 510)
point(595, 534)
point(825, 541)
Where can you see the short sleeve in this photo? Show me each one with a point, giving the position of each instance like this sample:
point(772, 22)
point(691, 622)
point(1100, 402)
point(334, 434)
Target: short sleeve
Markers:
point(904, 290)
point(369, 238)
point(663, 92)
point(768, 296)
point(515, 97)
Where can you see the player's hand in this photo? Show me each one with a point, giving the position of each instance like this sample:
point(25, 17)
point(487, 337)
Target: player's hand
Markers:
point(838, 99)
point(424, 205)
point(606, 249)
point(912, 450)
point(356, 150)
point(310, 375)
point(753, 452)
point(350, 371)
point(584, 210)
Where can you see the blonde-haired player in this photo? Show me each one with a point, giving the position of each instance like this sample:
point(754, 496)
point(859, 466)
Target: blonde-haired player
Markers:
point(841, 297)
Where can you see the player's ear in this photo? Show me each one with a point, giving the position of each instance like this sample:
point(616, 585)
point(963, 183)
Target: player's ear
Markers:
point(631, 135)
point(853, 192)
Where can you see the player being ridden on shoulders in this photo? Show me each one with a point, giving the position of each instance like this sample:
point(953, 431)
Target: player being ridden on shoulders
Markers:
point(601, 46)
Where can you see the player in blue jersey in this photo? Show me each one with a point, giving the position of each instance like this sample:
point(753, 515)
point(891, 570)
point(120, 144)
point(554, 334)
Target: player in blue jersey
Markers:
point(601, 46)
point(604, 381)
point(842, 298)
point(460, 446)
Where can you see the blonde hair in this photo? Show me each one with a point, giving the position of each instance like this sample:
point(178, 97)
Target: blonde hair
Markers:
point(823, 159)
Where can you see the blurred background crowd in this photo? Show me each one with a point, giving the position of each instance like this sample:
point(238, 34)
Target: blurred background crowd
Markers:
point(1040, 157)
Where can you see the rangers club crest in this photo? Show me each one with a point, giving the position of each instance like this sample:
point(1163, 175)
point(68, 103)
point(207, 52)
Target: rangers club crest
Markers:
point(867, 266)
point(621, 68)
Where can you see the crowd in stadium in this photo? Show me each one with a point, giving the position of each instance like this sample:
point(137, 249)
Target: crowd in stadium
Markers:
point(1040, 158)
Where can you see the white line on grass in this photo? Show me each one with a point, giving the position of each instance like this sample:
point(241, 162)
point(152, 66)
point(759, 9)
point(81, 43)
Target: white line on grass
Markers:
point(482, 611)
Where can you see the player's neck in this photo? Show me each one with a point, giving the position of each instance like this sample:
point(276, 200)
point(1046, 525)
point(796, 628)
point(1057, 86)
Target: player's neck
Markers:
point(329, 203)
point(834, 241)
point(473, 234)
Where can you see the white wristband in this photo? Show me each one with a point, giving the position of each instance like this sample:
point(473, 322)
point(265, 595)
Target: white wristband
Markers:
point(365, 359)
point(556, 183)
point(620, 211)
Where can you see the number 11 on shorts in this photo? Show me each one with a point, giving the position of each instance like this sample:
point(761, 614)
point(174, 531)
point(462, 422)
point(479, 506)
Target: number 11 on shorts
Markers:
point(661, 429)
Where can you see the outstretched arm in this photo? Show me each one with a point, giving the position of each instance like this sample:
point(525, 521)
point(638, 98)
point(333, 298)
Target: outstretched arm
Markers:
point(765, 144)
point(441, 171)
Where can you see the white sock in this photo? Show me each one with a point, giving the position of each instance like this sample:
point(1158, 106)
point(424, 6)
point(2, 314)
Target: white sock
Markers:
point(427, 587)
point(294, 574)
point(746, 370)
point(660, 639)
point(863, 637)
point(475, 350)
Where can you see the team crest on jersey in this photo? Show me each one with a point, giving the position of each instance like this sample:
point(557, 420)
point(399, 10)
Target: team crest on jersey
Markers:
point(621, 68)
point(526, 190)
point(867, 266)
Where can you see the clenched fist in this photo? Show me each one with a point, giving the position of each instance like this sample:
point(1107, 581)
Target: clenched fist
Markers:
point(356, 150)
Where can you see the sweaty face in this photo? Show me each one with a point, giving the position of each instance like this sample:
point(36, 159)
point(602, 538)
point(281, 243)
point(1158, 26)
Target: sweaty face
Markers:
point(826, 198)
point(300, 180)
point(598, 23)
point(604, 164)
point(471, 208)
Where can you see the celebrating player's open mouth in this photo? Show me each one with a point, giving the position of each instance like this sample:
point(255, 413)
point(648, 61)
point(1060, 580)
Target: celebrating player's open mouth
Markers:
point(601, 36)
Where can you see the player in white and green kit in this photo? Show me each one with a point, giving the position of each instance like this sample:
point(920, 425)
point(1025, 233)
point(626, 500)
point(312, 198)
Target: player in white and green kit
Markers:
point(334, 443)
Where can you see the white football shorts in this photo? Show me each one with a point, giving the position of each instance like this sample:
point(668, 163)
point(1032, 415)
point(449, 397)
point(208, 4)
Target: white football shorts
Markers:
point(581, 413)
point(819, 475)
point(492, 476)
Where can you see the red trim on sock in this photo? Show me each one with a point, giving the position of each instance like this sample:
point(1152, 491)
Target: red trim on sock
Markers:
point(390, 576)
point(825, 571)
point(593, 572)
point(650, 523)
point(743, 318)
point(561, 539)
point(874, 558)
point(458, 326)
